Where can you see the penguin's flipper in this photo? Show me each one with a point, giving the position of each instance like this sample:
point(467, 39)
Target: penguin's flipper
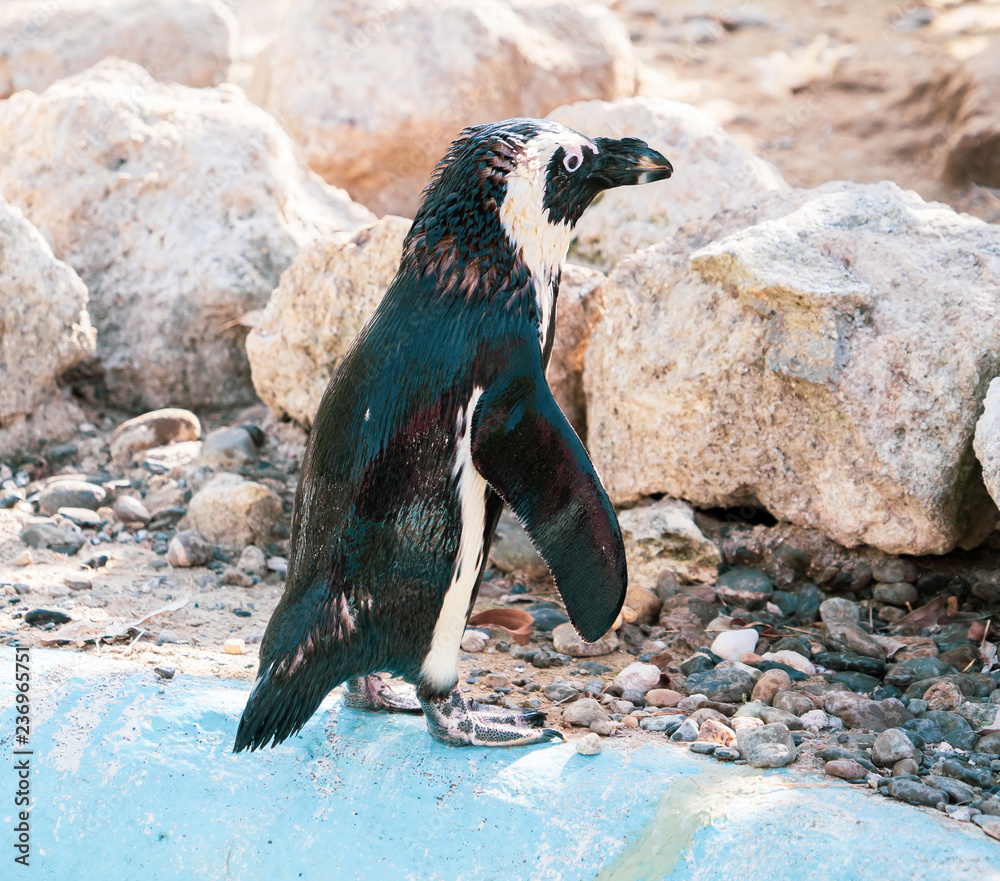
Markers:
point(529, 454)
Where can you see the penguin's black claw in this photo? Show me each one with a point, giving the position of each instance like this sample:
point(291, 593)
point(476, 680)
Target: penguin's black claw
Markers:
point(372, 694)
point(453, 722)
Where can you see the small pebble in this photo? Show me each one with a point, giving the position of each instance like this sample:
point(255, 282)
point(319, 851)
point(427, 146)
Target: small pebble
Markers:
point(989, 825)
point(767, 746)
point(234, 646)
point(733, 644)
point(769, 684)
point(815, 719)
point(473, 641)
point(943, 696)
point(584, 713)
point(638, 677)
point(588, 745)
point(164, 672)
point(130, 510)
point(686, 732)
point(663, 697)
point(166, 636)
point(726, 753)
point(846, 769)
point(78, 582)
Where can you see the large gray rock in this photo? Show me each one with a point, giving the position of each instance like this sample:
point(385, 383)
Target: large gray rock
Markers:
point(184, 41)
point(232, 512)
point(44, 330)
point(313, 316)
point(178, 207)
point(713, 173)
point(375, 91)
point(799, 365)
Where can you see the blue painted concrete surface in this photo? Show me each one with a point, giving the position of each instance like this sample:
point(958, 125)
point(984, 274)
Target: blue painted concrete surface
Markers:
point(133, 777)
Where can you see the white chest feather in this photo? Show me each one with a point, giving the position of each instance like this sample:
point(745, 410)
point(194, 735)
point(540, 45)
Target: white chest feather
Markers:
point(440, 667)
point(543, 244)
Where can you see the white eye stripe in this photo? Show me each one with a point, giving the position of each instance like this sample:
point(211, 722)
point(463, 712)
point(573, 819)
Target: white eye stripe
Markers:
point(573, 158)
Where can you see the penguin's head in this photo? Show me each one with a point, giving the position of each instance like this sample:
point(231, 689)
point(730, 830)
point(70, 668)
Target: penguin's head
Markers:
point(519, 187)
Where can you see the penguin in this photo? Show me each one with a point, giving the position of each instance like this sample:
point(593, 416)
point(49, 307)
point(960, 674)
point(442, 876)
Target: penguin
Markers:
point(439, 414)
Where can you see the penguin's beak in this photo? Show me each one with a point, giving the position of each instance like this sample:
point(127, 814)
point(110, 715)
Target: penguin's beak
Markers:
point(626, 163)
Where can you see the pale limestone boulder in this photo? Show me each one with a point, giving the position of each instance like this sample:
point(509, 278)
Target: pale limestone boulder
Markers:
point(827, 365)
point(332, 289)
point(313, 316)
point(579, 307)
point(375, 91)
point(44, 330)
point(712, 173)
point(184, 41)
point(178, 207)
point(233, 512)
point(664, 536)
point(987, 440)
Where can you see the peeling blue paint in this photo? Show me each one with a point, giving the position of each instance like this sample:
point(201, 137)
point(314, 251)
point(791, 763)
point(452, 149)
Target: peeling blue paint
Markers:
point(134, 778)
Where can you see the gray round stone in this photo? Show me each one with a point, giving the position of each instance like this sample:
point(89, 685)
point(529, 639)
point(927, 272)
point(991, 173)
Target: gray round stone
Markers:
point(749, 588)
point(897, 593)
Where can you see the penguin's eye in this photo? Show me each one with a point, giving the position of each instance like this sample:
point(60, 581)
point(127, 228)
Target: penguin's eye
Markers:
point(573, 159)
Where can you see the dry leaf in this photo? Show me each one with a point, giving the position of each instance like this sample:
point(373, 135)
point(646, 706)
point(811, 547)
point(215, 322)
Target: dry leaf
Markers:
point(661, 660)
point(925, 616)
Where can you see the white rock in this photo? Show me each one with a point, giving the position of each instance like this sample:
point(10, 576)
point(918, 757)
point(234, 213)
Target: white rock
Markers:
point(277, 564)
point(664, 536)
point(815, 719)
point(713, 173)
point(178, 207)
point(473, 641)
point(638, 677)
point(798, 365)
point(588, 745)
point(793, 660)
point(375, 92)
point(232, 512)
point(184, 41)
point(44, 330)
point(734, 644)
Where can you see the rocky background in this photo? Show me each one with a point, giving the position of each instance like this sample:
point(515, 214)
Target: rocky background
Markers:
point(784, 361)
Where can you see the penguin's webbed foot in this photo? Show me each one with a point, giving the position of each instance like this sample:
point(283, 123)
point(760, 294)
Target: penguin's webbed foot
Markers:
point(373, 694)
point(454, 722)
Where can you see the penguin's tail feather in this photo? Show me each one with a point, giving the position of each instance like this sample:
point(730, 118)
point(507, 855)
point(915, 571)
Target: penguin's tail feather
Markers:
point(279, 705)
